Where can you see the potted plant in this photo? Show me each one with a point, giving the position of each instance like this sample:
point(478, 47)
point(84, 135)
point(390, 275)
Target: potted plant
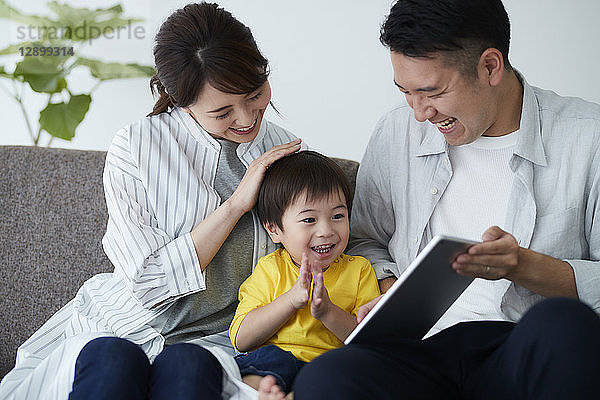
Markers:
point(48, 55)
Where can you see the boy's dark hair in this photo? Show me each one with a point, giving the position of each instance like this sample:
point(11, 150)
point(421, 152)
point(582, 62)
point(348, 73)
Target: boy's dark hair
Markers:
point(302, 172)
point(459, 29)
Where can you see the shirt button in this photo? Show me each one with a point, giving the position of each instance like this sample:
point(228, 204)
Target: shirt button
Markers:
point(264, 247)
point(416, 239)
point(433, 190)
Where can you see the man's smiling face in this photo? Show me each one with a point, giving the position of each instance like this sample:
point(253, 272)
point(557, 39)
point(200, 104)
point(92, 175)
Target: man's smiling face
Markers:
point(462, 108)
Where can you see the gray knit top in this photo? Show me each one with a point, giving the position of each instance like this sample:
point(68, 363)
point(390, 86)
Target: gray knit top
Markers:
point(211, 310)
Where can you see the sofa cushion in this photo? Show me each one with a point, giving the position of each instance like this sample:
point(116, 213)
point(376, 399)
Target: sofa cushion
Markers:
point(52, 219)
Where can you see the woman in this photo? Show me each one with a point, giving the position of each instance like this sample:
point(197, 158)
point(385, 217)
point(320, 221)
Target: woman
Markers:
point(180, 187)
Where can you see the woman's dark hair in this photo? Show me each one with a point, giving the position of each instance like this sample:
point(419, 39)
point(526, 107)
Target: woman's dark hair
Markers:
point(291, 176)
point(460, 29)
point(202, 43)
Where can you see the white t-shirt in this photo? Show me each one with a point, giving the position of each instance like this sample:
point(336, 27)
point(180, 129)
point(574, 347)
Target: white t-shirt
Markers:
point(476, 198)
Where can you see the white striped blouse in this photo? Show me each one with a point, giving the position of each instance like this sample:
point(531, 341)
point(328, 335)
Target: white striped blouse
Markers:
point(158, 182)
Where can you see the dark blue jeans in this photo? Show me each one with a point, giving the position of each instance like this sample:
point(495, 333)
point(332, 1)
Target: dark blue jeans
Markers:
point(114, 368)
point(271, 360)
point(552, 353)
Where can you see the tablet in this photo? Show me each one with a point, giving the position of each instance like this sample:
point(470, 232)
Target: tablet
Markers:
point(420, 296)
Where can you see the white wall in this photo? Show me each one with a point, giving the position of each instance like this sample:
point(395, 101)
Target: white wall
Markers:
point(331, 78)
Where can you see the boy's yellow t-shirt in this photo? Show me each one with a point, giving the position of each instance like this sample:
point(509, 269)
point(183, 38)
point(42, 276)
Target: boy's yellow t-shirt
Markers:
point(350, 282)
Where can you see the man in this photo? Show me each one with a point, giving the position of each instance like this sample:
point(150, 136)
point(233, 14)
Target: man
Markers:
point(477, 152)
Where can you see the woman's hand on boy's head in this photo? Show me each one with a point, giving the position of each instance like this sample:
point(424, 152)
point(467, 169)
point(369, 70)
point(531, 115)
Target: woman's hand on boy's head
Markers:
point(246, 193)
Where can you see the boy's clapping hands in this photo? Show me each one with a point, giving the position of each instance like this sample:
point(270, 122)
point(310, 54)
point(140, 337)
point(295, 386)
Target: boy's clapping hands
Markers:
point(319, 306)
point(299, 294)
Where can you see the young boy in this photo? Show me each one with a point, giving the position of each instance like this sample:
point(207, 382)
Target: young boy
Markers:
point(303, 203)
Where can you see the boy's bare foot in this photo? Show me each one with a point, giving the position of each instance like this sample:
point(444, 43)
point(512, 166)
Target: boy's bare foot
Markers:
point(268, 389)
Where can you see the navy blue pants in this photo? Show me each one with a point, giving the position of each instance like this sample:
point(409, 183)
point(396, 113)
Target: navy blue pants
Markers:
point(552, 353)
point(114, 368)
point(271, 360)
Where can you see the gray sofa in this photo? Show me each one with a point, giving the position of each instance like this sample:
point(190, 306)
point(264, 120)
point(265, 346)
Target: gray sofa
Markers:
point(52, 219)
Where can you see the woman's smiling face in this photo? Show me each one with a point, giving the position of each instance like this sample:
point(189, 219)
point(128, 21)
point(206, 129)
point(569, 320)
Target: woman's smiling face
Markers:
point(234, 117)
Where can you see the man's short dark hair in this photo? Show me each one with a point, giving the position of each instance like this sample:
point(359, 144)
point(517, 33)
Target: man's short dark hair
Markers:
point(459, 30)
point(291, 176)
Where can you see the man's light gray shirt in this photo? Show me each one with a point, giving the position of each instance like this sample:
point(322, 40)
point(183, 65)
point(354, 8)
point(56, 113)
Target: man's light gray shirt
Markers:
point(553, 207)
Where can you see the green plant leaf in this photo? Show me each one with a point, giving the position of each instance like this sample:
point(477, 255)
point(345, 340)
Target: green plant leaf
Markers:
point(111, 29)
point(86, 24)
point(44, 74)
point(5, 74)
point(8, 12)
point(75, 15)
point(60, 120)
point(13, 48)
point(106, 71)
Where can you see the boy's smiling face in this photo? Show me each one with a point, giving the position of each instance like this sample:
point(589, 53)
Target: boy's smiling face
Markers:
point(318, 227)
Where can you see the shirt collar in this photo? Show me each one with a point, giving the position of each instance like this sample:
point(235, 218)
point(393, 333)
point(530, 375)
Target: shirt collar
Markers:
point(432, 142)
point(529, 143)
